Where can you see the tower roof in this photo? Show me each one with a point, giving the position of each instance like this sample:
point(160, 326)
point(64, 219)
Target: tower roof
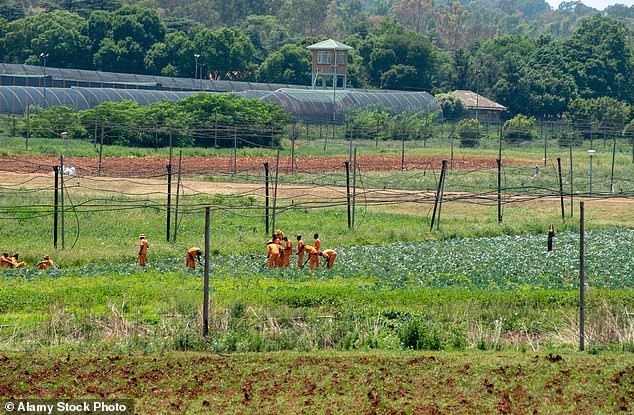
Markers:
point(329, 45)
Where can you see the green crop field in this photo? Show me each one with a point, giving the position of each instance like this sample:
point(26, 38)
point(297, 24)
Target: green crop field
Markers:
point(474, 316)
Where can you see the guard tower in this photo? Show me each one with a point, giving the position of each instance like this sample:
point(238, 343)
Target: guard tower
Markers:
point(330, 60)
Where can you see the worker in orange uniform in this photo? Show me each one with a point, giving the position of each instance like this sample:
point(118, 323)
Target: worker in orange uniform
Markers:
point(143, 246)
point(317, 242)
point(313, 256)
point(273, 252)
point(300, 252)
point(329, 255)
point(17, 263)
point(288, 250)
point(46, 263)
point(192, 256)
point(6, 261)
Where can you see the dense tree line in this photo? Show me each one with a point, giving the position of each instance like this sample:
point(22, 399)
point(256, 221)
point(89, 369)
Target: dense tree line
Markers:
point(546, 61)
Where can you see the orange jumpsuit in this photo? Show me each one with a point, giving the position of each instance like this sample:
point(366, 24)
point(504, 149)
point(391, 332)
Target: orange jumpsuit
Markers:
point(286, 255)
point(273, 254)
point(46, 263)
point(191, 256)
point(143, 252)
point(330, 256)
point(317, 244)
point(300, 254)
point(6, 261)
point(18, 264)
point(313, 256)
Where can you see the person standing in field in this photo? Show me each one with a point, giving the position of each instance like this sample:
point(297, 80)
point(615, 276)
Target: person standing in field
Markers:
point(288, 250)
point(192, 256)
point(329, 255)
point(551, 235)
point(143, 246)
point(273, 252)
point(46, 263)
point(300, 252)
point(316, 242)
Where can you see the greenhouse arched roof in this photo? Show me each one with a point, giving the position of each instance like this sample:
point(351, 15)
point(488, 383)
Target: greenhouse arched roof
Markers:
point(306, 105)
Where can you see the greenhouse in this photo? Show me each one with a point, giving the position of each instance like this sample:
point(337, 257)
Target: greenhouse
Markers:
point(24, 86)
point(31, 75)
point(313, 106)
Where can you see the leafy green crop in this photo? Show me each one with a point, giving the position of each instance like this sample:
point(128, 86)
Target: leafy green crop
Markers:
point(503, 262)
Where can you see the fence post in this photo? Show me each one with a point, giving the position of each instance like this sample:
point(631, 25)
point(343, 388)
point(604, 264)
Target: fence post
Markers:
point(178, 185)
point(541, 132)
point(266, 193)
point(571, 186)
point(402, 151)
point(440, 182)
point(101, 150)
point(277, 165)
point(561, 188)
point(169, 201)
point(347, 164)
point(354, 185)
point(293, 148)
point(61, 183)
point(55, 205)
point(581, 277)
point(612, 175)
point(499, 162)
point(206, 277)
point(235, 148)
point(96, 124)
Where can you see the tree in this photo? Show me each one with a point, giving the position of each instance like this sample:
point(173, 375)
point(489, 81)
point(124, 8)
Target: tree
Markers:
point(452, 107)
point(452, 25)
point(226, 53)
point(469, 132)
point(11, 10)
point(399, 77)
point(266, 34)
point(129, 34)
point(599, 114)
point(58, 34)
point(305, 16)
point(290, 65)
point(394, 47)
point(174, 57)
point(519, 128)
point(600, 59)
point(417, 15)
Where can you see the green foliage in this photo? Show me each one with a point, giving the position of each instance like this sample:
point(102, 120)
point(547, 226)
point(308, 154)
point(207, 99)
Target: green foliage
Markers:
point(519, 128)
point(452, 107)
point(289, 65)
point(603, 113)
point(126, 123)
point(50, 122)
point(381, 124)
point(469, 132)
point(58, 33)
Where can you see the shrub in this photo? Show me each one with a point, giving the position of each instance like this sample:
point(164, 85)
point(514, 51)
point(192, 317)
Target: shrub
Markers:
point(519, 128)
point(469, 133)
point(452, 107)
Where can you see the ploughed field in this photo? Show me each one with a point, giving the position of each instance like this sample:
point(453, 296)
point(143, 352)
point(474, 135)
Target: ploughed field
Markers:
point(341, 383)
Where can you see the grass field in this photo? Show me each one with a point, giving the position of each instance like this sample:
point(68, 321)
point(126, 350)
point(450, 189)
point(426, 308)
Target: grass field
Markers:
point(475, 317)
